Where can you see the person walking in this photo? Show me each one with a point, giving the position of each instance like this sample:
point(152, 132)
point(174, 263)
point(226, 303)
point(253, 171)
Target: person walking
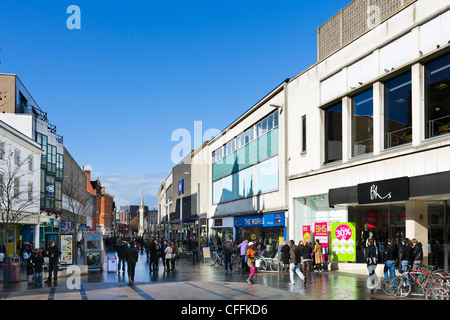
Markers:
point(405, 254)
point(132, 257)
point(53, 253)
point(285, 256)
point(371, 258)
point(38, 261)
point(194, 246)
point(318, 256)
point(154, 248)
point(120, 248)
point(306, 256)
point(251, 261)
point(162, 253)
point(416, 254)
point(391, 258)
point(228, 249)
point(295, 263)
point(174, 253)
point(168, 256)
point(243, 246)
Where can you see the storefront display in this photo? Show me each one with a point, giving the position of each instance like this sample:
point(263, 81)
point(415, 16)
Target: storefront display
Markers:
point(265, 230)
point(343, 241)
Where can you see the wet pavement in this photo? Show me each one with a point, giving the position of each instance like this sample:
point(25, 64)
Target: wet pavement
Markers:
point(197, 281)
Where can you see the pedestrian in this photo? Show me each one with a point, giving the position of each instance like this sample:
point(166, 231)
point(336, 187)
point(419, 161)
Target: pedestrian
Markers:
point(194, 246)
point(38, 261)
point(285, 256)
point(251, 261)
point(306, 256)
point(417, 254)
point(154, 249)
point(168, 256)
point(174, 253)
point(121, 248)
point(371, 258)
point(228, 249)
point(405, 254)
point(295, 263)
point(243, 246)
point(30, 269)
point(318, 255)
point(391, 258)
point(131, 256)
point(53, 254)
point(162, 253)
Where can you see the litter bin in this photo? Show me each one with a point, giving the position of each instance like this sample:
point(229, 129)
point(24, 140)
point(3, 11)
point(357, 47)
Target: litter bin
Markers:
point(11, 269)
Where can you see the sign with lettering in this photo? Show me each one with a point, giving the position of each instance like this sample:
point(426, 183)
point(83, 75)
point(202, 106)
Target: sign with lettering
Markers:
point(181, 187)
point(267, 220)
point(384, 191)
point(343, 241)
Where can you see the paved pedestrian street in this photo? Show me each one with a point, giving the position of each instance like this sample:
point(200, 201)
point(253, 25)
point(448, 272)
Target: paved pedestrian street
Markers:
point(198, 281)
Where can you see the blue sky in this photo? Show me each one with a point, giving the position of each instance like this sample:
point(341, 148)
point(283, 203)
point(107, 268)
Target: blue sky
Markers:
point(137, 70)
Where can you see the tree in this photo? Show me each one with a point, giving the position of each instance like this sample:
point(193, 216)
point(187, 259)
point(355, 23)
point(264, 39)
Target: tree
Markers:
point(17, 200)
point(77, 202)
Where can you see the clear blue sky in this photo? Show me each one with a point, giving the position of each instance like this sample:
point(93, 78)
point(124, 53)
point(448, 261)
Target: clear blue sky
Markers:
point(137, 70)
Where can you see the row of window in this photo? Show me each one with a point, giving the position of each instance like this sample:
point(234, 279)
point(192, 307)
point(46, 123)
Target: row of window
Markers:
point(260, 128)
point(16, 192)
point(397, 113)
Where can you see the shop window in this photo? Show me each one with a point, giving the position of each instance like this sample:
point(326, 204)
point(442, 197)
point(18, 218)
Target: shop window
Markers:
point(437, 97)
point(333, 133)
point(362, 123)
point(398, 111)
point(303, 147)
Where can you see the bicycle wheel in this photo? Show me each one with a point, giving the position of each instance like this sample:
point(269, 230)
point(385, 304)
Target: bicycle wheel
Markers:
point(213, 259)
point(400, 287)
point(437, 293)
point(274, 266)
point(386, 285)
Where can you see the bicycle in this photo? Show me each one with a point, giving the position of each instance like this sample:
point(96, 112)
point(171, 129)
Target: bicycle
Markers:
point(401, 286)
point(236, 262)
point(437, 293)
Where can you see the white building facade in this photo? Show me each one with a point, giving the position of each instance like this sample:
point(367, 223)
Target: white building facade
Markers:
point(368, 134)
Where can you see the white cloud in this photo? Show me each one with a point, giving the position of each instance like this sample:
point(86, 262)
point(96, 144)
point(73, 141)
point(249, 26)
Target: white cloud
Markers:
point(127, 189)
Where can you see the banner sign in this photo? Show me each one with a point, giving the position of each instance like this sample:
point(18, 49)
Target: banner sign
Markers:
point(343, 241)
point(384, 191)
point(321, 234)
point(267, 220)
point(66, 249)
point(306, 232)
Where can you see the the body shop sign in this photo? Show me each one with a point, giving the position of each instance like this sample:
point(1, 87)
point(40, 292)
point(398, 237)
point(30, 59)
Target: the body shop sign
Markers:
point(343, 241)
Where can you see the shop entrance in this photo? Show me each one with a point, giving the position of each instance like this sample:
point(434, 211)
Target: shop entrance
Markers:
point(380, 223)
point(438, 229)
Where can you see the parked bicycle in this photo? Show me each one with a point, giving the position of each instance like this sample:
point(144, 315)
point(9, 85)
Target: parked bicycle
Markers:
point(438, 293)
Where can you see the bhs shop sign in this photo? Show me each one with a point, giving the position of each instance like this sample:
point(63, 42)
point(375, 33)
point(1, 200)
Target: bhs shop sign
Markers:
point(384, 191)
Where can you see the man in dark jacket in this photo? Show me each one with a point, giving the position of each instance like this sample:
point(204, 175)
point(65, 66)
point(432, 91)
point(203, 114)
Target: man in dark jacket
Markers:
point(405, 253)
point(121, 248)
point(307, 256)
point(131, 256)
point(295, 262)
point(417, 254)
point(53, 254)
point(154, 249)
point(228, 251)
point(391, 258)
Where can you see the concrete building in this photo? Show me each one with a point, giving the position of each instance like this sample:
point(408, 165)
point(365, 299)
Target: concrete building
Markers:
point(19, 188)
point(368, 129)
point(247, 177)
point(19, 110)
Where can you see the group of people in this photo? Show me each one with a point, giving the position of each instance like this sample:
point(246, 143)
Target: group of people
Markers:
point(35, 263)
point(156, 249)
point(410, 253)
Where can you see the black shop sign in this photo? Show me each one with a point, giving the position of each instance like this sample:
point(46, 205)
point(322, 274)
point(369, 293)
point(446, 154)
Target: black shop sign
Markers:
point(384, 191)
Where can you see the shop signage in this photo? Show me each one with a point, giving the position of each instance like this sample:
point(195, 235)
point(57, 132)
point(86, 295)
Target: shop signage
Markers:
point(267, 220)
point(306, 233)
point(218, 222)
point(321, 234)
point(383, 191)
point(343, 241)
point(181, 187)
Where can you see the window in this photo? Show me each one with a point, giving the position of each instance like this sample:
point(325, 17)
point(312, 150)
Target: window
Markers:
point(333, 133)
point(437, 99)
point(1, 186)
point(16, 188)
point(2, 150)
point(30, 163)
point(398, 108)
point(362, 123)
point(304, 134)
point(30, 191)
point(17, 157)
